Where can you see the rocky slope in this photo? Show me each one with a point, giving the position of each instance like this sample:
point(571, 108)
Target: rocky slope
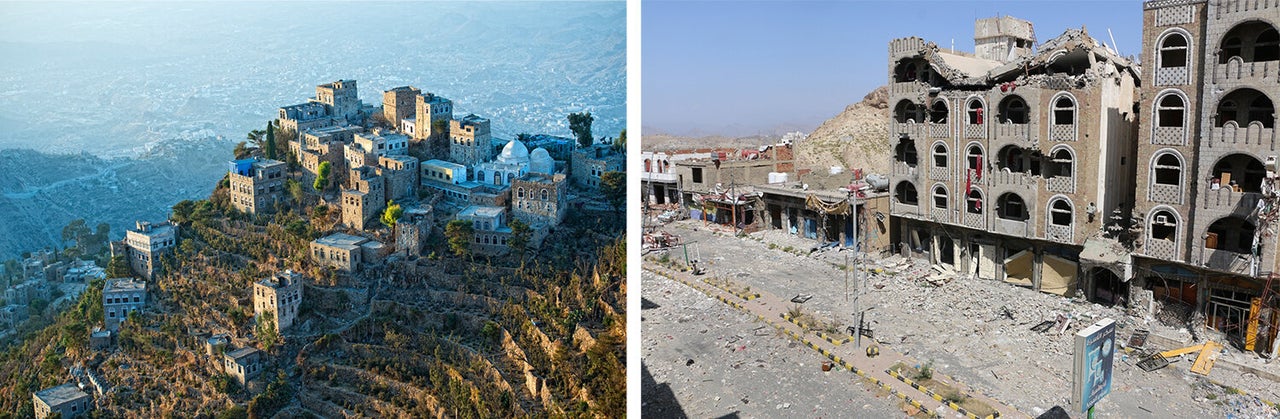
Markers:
point(856, 138)
point(41, 192)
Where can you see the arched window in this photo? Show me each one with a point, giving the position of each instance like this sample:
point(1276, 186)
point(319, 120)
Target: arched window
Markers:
point(1064, 111)
point(1171, 111)
point(1245, 171)
point(545, 194)
point(1252, 41)
point(1267, 47)
point(1012, 157)
point(1062, 162)
point(647, 165)
point(1010, 206)
point(973, 202)
point(975, 111)
point(906, 152)
point(939, 155)
point(1060, 213)
point(1168, 170)
point(1164, 226)
point(938, 114)
point(939, 197)
point(905, 193)
point(1246, 106)
point(906, 111)
point(497, 178)
point(520, 193)
point(480, 176)
point(1014, 110)
point(1173, 51)
point(973, 158)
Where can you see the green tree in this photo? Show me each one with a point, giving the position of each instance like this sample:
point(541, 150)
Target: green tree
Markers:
point(38, 305)
point(118, 267)
point(580, 124)
point(614, 186)
point(295, 189)
point(620, 144)
point(391, 214)
point(520, 235)
point(241, 150)
point(271, 141)
point(75, 231)
point(322, 179)
point(266, 330)
point(460, 233)
point(256, 137)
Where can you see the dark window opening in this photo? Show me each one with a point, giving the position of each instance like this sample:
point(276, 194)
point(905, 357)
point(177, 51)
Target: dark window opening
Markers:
point(974, 158)
point(1012, 207)
point(975, 112)
point(1168, 170)
point(697, 175)
point(938, 114)
point(1239, 172)
point(973, 203)
point(939, 197)
point(1233, 234)
point(1171, 111)
point(1173, 52)
point(939, 155)
point(906, 152)
point(1060, 213)
point(1064, 111)
point(1060, 164)
point(1014, 110)
point(905, 193)
point(1163, 226)
point(907, 111)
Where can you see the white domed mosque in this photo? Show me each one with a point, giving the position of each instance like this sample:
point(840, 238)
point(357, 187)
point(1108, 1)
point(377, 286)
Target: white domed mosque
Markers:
point(540, 161)
point(510, 164)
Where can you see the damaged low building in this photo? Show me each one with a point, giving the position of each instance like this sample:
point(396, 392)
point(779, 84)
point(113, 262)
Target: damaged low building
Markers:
point(1004, 160)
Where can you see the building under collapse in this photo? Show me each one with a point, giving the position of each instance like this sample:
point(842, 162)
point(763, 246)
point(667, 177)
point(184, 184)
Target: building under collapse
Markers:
point(1004, 161)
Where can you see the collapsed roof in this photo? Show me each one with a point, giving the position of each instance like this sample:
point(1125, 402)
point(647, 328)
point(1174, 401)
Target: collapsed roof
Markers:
point(1074, 54)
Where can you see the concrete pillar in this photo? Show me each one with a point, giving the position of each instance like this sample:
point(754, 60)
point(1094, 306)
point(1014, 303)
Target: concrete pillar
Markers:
point(1037, 265)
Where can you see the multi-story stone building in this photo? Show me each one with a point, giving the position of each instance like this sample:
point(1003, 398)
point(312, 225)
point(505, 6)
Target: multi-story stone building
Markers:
point(399, 103)
point(1206, 151)
point(365, 149)
point(304, 116)
point(539, 199)
point(319, 145)
point(278, 296)
point(339, 251)
point(489, 224)
point(429, 108)
point(413, 229)
point(702, 171)
point(67, 400)
point(121, 296)
point(256, 184)
point(342, 99)
point(469, 140)
point(589, 163)
point(366, 198)
point(145, 244)
point(242, 364)
point(1006, 161)
point(401, 175)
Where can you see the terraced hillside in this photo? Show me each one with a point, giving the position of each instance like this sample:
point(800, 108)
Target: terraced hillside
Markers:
point(533, 335)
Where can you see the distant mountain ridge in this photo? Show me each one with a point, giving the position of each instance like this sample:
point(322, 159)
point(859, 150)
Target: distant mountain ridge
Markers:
point(857, 138)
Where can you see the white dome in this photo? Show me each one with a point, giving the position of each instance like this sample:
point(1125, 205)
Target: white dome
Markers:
point(514, 153)
point(541, 162)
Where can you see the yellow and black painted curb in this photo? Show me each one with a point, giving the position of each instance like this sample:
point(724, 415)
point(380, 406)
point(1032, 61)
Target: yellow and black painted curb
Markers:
point(938, 397)
point(1264, 401)
point(834, 341)
point(743, 296)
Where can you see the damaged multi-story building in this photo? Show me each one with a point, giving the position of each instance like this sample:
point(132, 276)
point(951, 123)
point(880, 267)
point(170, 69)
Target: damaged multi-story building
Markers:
point(1006, 160)
point(1205, 208)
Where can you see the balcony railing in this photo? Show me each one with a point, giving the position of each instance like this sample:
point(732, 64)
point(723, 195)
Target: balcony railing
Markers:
point(1172, 76)
point(1063, 184)
point(1169, 136)
point(1017, 132)
point(1006, 178)
point(1166, 194)
point(1059, 233)
point(905, 209)
point(978, 221)
point(941, 215)
point(1257, 72)
point(901, 170)
point(912, 129)
point(1226, 260)
point(1062, 132)
point(940, 173)
point(1224, 199)
point(906, 87)
point(942, 130)
point(1012, 227)
point(1161, 249)
point(975, 131)
point(1231, 135)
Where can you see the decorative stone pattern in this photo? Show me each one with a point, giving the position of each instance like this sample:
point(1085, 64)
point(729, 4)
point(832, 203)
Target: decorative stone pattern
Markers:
point(1233, 136)
point(939, 131)
point(976, 131)
point(1223, 199)
point(1156, 4)
point(1062, 132)
point(1166, 194)
point(1057, 233)
point(1173, 76)
point(1021, 132)
point(941, 215)
point(1173, 15)
point(1060, 184)
point(1161, 249)
point(940, 173)
point(1169, 136)
point(1237, 72)
point(978, 221)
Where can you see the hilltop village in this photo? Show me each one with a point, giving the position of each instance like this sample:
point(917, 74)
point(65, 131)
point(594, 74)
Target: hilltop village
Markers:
point(356, 260)
point(1035, 187)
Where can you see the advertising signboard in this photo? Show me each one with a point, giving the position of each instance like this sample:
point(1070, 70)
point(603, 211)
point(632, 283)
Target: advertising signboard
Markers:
point(1094, 352)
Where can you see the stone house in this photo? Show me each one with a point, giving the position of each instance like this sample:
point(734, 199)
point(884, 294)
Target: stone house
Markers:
point(256, 184)
point(365, 200)
point(242, 365)
point(587, 164)
point(469, 140)
point(339, 251)
point(278, 296)
point(67, 400)
point(145, 244)
point(121, 296)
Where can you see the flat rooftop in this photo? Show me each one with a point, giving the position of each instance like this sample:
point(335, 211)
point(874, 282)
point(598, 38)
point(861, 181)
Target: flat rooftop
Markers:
point(123, 285)
point(481, 211)
point(241, 353)
point(443, 164)
point(342, 241)
point(60, 394)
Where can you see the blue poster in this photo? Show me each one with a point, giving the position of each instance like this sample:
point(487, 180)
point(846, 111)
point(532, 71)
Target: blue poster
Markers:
point(1095, 351)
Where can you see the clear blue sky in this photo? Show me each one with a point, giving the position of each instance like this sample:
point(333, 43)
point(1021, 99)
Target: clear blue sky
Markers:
point(740, 68)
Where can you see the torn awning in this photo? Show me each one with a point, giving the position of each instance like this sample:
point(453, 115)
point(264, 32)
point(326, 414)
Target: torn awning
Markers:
point(1018, 269)
point(1058, 276)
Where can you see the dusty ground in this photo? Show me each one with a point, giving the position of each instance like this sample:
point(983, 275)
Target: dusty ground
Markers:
point(960, 325)
point(740, 366)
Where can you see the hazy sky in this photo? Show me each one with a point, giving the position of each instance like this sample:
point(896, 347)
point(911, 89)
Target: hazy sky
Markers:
point(747, 67)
